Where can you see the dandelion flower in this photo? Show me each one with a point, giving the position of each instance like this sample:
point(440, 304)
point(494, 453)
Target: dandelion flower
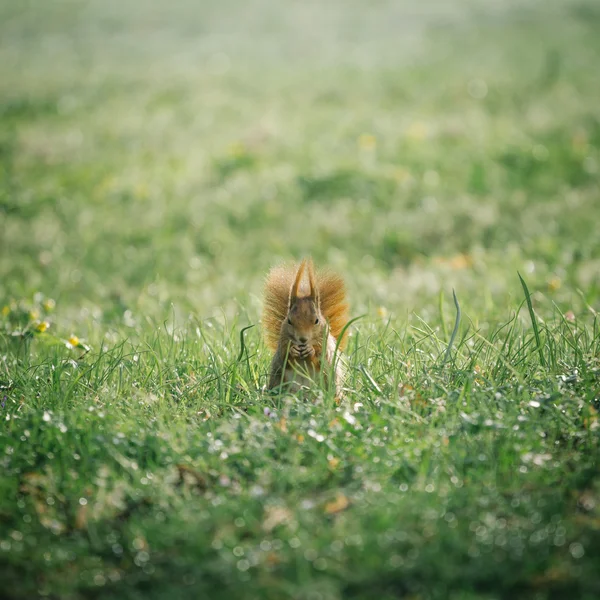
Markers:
point(367, 141)
point(554, 284)
point(237, 149)
point(418, 131)
point(43, 326)
point(49, 304)
point(382, 312)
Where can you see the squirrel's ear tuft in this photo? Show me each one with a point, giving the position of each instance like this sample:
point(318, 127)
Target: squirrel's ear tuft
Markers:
point(296, 285)
point(314, 288)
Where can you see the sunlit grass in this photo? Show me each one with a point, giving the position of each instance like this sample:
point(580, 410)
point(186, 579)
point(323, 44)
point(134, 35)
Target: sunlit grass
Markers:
point(148, 181)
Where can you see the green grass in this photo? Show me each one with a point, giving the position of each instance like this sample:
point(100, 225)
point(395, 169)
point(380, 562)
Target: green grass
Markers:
point(155, 162)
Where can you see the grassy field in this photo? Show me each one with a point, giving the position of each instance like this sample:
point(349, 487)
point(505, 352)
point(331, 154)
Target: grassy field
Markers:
point(156, 159)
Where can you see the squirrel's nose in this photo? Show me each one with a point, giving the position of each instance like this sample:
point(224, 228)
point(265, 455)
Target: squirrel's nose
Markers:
point(303, 339)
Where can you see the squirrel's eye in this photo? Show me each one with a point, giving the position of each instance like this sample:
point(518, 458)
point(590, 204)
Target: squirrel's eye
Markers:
point(289, 321)
point(317, 321)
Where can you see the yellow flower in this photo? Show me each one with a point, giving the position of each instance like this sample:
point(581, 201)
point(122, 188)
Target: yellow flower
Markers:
point(554, 284)
point(49, 304)
point(5, 310)
point(339, 503)
point(41, 327)
point(34, 314)
point(141, 191)
point(73, 341)
point(461, 261)
point(367, 141)
point(382, 312)
point(401, 174)
point(237, 149)
point(456, 262)
point(417, 131)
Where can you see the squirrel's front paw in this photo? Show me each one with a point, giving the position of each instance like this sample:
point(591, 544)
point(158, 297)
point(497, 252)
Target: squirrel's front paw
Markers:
point(305, 352)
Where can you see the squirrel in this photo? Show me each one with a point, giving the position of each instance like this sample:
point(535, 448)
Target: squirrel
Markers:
point(299, 319)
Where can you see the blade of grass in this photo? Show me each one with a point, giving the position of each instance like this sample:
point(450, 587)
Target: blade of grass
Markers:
point(536, 331)
point(370, 380)
point(455, 330)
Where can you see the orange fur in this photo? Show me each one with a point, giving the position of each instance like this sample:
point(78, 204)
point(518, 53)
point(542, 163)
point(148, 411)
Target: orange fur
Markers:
point(278, 287)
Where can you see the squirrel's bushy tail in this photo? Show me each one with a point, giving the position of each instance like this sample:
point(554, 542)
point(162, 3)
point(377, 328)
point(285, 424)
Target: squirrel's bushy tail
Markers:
point(332, 295)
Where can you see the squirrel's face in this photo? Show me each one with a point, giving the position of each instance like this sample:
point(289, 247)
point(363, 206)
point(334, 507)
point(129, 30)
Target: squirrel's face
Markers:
point(304, 324)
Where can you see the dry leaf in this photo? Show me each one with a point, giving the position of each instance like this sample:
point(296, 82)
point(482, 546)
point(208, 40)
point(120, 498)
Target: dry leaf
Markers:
point(81, 517)
point(191, 477)
point(591, 421)
point(272, 559)
point(274, 516)
point(337, 505)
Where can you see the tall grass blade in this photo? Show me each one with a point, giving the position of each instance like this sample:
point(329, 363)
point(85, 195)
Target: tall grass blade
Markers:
point(455, 330)
point(536, 331)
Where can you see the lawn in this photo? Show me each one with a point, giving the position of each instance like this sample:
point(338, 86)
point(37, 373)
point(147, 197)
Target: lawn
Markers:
point(156, 159)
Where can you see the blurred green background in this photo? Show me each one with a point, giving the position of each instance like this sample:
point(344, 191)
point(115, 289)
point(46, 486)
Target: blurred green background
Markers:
point(171, 152)
point(157, 158)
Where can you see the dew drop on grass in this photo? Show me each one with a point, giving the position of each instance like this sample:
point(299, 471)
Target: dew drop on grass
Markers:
point(317, 436)
point(559, 540)
point(139, 543)
point(349, 418)
point(256, 491)
point(577, 550)
point(395, 561)
point(311, 554)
